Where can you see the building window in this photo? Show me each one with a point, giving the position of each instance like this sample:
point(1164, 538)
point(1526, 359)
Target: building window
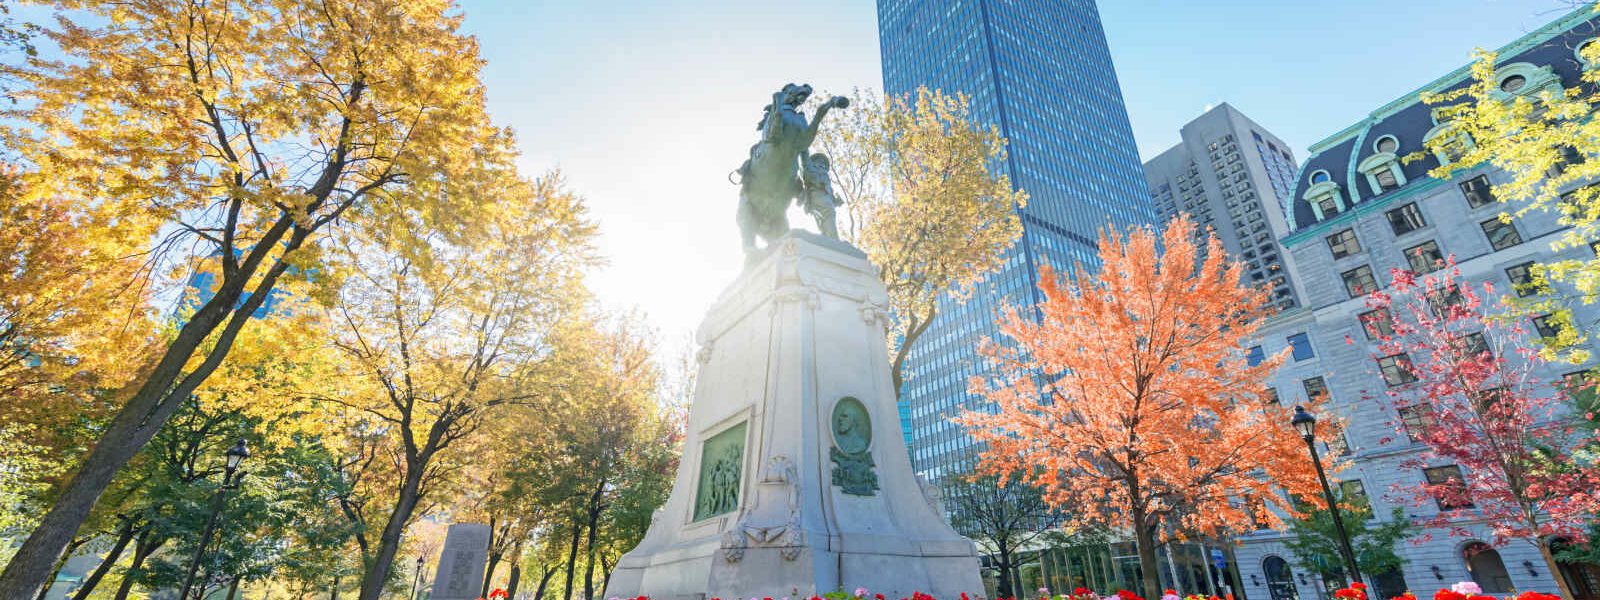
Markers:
point(1580, 388)
point(1472, 345)
point(1484, 402)
point(1521, 277)
point(1396, 369)
point(1320, 177)
point(1338, 445)
point(1255, 356)
point(1406, 219)
point(1442, 300)
point(1502, 234)
point(1386, 179)
point(1416, 419)
point(1316, 388)
point(1449, 487)
point(1425, 257)
point(1477, 191)
point(1300, 346)
point(1548, 326)
point(1359, 281)
point(1344, 243)
point(1386, 144)
point(1271, 396)
point(1354, 495)
point(1329, 206)
point(1377, 324)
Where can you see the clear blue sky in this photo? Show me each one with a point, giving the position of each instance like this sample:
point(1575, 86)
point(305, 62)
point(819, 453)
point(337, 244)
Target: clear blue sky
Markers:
point(646, 105)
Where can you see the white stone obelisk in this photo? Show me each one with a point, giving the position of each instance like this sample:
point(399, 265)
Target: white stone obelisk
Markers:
point(795, 478)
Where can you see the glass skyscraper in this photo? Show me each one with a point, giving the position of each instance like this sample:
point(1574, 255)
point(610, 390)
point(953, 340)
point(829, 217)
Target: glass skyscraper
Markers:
point(1040, 70)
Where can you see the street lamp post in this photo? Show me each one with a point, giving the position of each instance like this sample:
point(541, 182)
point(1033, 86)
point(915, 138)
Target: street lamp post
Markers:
point(415, 578)
point(1307, 425)
point(230, 480)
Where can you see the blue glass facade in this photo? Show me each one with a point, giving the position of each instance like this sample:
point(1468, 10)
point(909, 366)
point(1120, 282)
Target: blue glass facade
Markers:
point(1041, 71)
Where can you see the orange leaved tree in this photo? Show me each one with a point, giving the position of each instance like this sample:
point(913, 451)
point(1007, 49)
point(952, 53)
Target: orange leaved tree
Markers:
point(1128, 397)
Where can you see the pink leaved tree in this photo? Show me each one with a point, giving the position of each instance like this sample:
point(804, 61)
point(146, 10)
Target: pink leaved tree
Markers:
point(1461, 370)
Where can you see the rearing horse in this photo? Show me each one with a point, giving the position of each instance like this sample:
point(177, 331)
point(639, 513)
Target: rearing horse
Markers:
point(769, 180)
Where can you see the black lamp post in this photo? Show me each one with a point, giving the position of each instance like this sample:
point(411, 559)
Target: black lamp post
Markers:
point(230, 480)
point(1307, 426)
point(415, 578)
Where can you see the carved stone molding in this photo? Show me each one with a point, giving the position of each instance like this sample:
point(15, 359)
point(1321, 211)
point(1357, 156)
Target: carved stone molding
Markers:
point(772, 520)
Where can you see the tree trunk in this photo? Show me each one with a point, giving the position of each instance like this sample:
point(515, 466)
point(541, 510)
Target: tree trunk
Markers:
point(1555, 570)
point(605, 573)
point(1145, 540)
point(123, 538)
point(333, 594)
point(544, 580)
point(572, 558)
point(488, 572)
point(141, 550)
point(594, 524)
point(1003, 587)
point(389, 543)
point(516, 578)
point(233, 589)
point(147, 410)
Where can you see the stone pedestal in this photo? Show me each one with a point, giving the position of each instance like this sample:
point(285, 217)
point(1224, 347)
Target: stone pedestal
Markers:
point(461, 562)
point(795, 478)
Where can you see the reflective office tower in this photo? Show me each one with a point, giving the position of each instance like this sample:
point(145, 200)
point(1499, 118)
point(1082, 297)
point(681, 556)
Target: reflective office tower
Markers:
point(1040, 71)
point(1362, 210)
point(1233, 178)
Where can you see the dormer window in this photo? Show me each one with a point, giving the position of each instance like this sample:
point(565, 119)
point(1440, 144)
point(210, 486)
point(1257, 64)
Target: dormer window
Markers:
point(1383, 168)
point(1525, 79)
point(1324, 196)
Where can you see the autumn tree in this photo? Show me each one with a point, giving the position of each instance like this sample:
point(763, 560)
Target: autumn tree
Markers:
point(1482, 406)
point(1544, 139)
point(1130, 401)
point(1001, 518)
point(927, 199)
point(439, 335)
point(240, 131)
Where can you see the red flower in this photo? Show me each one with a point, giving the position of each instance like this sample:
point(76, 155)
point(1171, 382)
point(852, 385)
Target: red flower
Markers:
point(1081, 591)
point(1537, 596)
point(1448, 594)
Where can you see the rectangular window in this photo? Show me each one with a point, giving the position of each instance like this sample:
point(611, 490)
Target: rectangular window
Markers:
point(1547, 326)
point(1344, 243)
point(1580, 388)
point(1521, 277)
point(1315, 387)
point(1300, 344)
point(1473, 345)
point(1354, 495)
point(1359, 281)
point(1377, 324)
point(1416, 419)
point(1255, 356)
point(1406, 219)
point(1443, 299)
point(1396, 369)
point(1485, 401)
point(1386, 179)
point(1338, 445)
point(1449, 488)
point(1425, 257)
point(1477, 191)
point(1329, 206)
point(1271, 394)
point(1501, 234)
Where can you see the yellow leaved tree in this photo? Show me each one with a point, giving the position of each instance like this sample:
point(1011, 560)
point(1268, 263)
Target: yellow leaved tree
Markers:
point(926, 199)
point(239, 132)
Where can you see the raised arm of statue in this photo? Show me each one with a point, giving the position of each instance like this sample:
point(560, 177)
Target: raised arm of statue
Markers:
point(822, 111)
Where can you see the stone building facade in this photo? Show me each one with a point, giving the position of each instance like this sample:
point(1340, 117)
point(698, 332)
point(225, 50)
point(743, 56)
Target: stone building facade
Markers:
point(1357, 212)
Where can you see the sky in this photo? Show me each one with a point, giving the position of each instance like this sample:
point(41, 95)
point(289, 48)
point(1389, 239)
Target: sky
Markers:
point(645, 106)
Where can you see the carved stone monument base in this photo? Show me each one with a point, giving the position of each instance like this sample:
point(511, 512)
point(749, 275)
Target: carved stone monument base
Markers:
point(795, 478)
point(461, 562)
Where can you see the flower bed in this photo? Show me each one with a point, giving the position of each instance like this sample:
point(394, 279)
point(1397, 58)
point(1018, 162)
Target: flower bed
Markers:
point(1465, 590)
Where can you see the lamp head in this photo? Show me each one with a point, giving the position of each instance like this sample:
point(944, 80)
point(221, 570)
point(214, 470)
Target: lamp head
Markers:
point(1304, 422)
point(237, 454)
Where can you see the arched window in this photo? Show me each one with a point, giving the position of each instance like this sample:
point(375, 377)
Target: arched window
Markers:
point(1321, 177)
point(1324, 196)
point(1487, 570)
point(1525, 79)
point(1280, 578)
